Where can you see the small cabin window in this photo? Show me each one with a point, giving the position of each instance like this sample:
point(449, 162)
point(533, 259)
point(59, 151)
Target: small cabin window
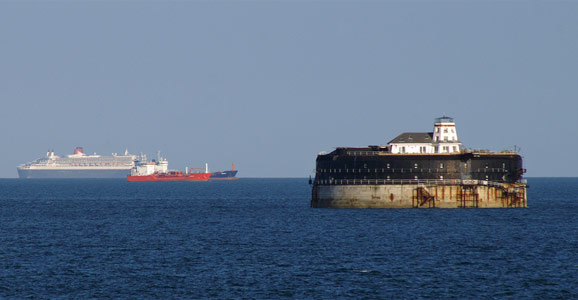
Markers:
point(441, 165)
point(388, 165)
point(415, 166)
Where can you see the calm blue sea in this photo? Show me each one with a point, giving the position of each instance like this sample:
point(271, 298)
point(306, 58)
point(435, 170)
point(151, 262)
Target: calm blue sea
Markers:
point(258, 239)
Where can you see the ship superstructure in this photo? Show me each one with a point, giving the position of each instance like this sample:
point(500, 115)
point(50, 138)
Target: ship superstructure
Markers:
point(158, 170)
point(144, 168)
point(78, 165)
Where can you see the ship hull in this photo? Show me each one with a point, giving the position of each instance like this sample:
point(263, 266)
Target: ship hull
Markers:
point(225, 175)
point(71, 174)
point(160, 177)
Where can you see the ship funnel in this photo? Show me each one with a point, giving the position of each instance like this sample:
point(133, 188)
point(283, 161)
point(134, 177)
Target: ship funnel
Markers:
point(78, 150)
point(233, 169)
point(206, 168)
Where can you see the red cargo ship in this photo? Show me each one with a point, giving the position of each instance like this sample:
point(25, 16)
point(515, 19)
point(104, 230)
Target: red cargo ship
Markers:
point(158, 171)
point(171, 176)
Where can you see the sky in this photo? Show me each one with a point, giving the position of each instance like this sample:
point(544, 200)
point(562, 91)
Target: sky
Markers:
point(270, 84)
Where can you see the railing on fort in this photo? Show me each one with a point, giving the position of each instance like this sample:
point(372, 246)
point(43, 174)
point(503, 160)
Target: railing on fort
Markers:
point(411, 182)
point(405, 170)
point(362, 153)
point(462, 151)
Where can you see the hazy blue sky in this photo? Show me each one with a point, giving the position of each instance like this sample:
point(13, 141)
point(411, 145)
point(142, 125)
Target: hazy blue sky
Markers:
point(271, 84)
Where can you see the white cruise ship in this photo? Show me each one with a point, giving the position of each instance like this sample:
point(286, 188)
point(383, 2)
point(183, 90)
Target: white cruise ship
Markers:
point(78, 165)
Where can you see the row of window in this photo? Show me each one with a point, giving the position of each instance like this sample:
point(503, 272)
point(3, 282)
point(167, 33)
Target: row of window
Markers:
point(401, 170)
point(331, 179)
point(446, 139)
point(388, 165)
point(423, 149)
point(446, 130)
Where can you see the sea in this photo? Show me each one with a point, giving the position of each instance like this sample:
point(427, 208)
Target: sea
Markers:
point(259, 239)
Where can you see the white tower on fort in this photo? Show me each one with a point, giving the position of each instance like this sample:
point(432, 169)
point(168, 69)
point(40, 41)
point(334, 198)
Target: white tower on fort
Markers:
point(445, 136)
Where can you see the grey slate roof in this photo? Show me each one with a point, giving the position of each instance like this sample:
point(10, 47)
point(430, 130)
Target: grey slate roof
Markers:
point(414, 137)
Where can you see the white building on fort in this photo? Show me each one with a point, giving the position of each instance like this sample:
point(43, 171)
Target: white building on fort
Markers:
point(443, 139)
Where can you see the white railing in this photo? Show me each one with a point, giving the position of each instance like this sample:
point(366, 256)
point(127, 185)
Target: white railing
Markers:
point(362, 153)
point(411, 182)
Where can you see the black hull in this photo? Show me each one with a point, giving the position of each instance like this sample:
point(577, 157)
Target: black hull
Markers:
point(224, 175)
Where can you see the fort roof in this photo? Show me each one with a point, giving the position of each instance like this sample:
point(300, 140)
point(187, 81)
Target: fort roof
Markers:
point(413, 137)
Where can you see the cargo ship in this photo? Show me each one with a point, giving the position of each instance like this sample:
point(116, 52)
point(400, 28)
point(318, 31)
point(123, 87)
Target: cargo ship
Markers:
point(158, 171)
point(78, 165)
point(419, 170)
point(225, 175)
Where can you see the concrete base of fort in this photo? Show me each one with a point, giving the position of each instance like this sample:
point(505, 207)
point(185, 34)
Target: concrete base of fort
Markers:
point(419, 196)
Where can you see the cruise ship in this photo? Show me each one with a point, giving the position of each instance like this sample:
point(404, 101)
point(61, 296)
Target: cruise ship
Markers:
point(78, 165)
